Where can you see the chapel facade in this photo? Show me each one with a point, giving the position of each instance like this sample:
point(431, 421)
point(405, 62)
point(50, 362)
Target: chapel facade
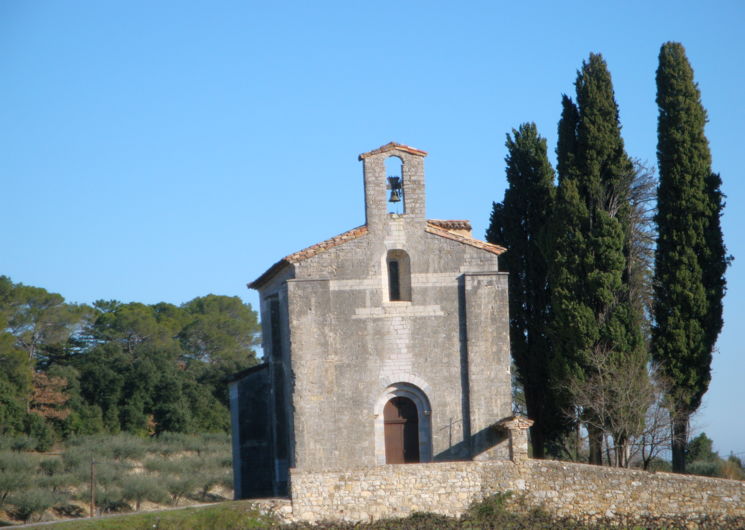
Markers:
point(387, 344)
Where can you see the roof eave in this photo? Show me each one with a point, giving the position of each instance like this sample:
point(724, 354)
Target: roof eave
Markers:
point(476, 243)
point(272, 271)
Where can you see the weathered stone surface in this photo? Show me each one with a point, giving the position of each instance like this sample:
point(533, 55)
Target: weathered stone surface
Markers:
point(582, 492)
point(341, 346)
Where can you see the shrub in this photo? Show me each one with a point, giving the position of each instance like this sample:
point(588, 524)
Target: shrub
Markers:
point(169, 443)
point(30, 502)
point(490, 507)
point(16, 472)
point(23, 443)
point(77, 456)
point(40, 431)
point(707, 468)
point(108, 500)
point(658, 464)
point(180, 487)
point(138, 488)
point(732, 468)
point(52, 466)
point(125, 446)
point(58, 483)
point(165, 466)
point(69, 510)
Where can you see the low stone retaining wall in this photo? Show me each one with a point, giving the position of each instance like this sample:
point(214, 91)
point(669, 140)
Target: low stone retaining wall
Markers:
point(579, 491)
point(587, 492)
point(387, 491)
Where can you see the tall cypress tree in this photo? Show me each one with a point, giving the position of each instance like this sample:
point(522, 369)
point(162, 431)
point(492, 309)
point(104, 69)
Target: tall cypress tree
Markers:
point(690, 258)
point(590, 240)
point(519, 224)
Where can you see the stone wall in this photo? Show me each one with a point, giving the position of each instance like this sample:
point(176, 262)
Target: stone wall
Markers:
point(567, 490)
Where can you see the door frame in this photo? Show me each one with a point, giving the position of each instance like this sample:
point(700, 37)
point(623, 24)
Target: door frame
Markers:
point(424, 417)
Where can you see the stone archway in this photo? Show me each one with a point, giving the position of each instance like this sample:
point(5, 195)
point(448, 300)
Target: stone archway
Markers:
point(403, 432)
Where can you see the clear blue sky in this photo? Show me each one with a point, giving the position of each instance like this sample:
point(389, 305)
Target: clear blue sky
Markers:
point(158, 151)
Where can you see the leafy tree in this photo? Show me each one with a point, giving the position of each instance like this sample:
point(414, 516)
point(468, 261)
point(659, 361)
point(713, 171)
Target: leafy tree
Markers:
point(16, 472)
point(221, 328)
point(700, 448)
point(67, 369)
point(589, 269)
point(172, 412)
point(15, 385)
point(31, 502)
point(131, 326)
point(520, 223)
point(139, 488)
point(690, 256)
point(37, 317)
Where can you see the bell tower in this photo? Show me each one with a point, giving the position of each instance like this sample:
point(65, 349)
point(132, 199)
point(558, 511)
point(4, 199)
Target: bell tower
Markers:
point(406, 189)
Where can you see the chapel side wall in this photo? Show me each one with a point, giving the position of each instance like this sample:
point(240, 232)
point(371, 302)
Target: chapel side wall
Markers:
point(488, 344)
point(253, 448)
point(277, 356)
point(582, 492)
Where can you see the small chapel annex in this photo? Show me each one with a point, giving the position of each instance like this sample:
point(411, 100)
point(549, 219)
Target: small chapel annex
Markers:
point(387, 344)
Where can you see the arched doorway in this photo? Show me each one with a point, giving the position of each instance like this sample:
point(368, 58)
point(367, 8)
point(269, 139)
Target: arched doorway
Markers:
point(401, 427)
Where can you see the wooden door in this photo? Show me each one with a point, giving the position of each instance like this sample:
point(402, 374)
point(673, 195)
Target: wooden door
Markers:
point(401, 431)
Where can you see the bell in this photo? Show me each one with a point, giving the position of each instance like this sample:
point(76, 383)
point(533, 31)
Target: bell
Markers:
point(395, 196)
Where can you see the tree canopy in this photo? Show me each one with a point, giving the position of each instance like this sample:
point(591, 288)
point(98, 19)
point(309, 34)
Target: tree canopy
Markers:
point(77, 369)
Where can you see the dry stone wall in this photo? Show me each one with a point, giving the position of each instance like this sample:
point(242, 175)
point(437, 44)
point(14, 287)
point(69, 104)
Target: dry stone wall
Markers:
point(578, 491)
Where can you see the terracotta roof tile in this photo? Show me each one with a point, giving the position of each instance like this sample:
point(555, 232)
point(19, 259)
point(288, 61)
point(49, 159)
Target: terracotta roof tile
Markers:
point(437, 227)
point(451, 224)
point(308, 252)
point(483, 245)
point(392, 146)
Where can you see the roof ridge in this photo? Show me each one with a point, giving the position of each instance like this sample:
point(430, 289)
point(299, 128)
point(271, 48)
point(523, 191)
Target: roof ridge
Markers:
point(483, 245)
point(391, 146)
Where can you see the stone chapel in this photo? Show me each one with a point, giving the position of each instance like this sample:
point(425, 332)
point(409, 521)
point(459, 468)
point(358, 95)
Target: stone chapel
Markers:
point(387, 344)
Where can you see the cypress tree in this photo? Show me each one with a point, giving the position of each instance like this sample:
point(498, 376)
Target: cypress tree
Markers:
point(593, 315)
point(519, 224)
point(690, 258)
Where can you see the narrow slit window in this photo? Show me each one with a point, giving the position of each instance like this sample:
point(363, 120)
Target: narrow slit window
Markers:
point(394, 284)
point(398, 268)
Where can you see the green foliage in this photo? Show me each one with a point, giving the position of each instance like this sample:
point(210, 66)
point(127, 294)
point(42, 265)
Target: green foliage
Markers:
point(520, 224)
point(51, 466)
point(130, 367)
point(123, 447)
point(16, 473)
point(221, 329)
point(690, 259)
point(225, 516)
point(138, 488)
point(22, 443)
point(28, 503)
point(593, 313)
point(40, 431)
point(128, 470)
point(489, 508)
point(700, 448)
point(180, 486)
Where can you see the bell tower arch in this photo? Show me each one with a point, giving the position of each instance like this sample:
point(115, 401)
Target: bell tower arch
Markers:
point(379, 189)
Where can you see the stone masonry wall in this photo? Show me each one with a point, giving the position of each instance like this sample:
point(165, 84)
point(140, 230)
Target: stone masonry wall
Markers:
point(573, 490)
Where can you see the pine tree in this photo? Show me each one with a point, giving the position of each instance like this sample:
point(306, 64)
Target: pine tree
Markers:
point(690, 258)
point(519, 224)
point(593, 315)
